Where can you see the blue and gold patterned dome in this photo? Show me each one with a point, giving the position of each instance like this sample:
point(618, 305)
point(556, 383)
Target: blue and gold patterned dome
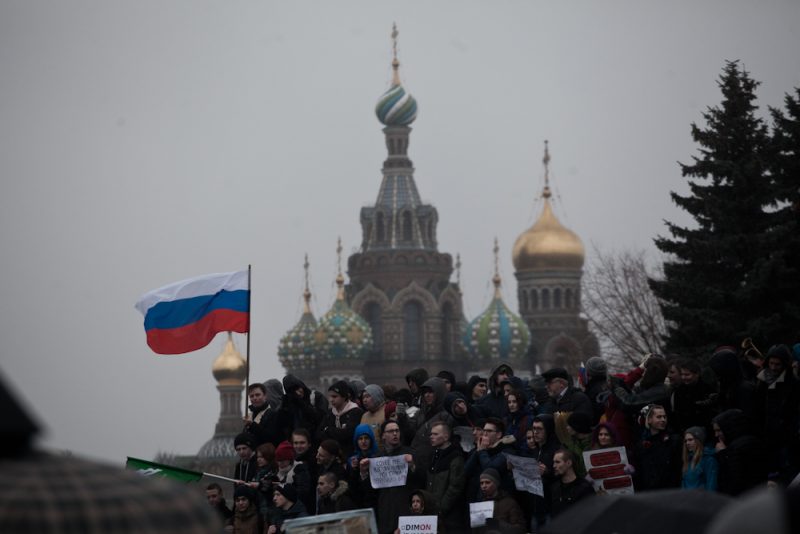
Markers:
point(497, 333)
point(296, 348)
point(396, 107)
point(342, 333)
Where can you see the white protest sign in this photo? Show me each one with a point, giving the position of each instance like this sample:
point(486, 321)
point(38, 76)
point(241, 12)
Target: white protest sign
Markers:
point(418, 523)
point(526, 474)
point(606, 467)
point(388, 471)
point(479, 512)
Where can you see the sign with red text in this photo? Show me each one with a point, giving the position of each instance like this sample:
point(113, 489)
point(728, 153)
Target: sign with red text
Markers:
point(608, 469)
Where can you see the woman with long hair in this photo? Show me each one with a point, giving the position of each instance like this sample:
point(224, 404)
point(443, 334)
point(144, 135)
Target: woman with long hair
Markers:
point(699, 465)
point(518, 420)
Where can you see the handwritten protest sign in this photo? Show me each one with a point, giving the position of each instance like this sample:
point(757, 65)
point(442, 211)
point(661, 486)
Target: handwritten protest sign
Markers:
point(418, 523)
point(526, 474)
point(479, 512)
point(388, 471)
point(606, 467)
point(467, 439)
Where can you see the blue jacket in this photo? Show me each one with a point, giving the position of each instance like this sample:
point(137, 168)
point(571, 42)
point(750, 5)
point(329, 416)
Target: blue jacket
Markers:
point(704, 474)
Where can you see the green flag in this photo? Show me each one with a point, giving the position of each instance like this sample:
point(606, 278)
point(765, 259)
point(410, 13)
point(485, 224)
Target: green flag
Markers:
point(146, 468)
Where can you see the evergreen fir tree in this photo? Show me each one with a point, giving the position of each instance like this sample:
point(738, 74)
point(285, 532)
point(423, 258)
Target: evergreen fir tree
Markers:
point(712, 291)
point(783, 268)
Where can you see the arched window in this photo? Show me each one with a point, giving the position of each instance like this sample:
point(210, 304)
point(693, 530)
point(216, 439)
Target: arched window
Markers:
point(380, 231)
point(447, 330)
point(545, 299)
point(412, 330)
point(534, 299)
point(568, 299)
point(523, 300)
point(373, 316)
point(557, 298)
point(407, 233)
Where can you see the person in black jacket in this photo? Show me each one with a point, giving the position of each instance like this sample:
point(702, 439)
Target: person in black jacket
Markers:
point(247, 467)
point(658, 454)
point(567, 398)
point(297, 403)
point(568, 487)
point(341, 419)
point(266, 424)
point(741, 456)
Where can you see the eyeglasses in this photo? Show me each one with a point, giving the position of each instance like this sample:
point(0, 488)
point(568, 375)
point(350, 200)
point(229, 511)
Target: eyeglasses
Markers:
point(392, 431)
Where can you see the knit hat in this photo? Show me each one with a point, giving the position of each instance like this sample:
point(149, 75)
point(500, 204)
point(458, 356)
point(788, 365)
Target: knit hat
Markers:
point(698, 432)
point(284, 452)
point(596, 366)
point(357, 387)
point(244, 439)
point(580, 422)
point(243, 490)
point(341, 388)
point(491, 474)
point(376, 392)
point(288, 491)
point(555, 372)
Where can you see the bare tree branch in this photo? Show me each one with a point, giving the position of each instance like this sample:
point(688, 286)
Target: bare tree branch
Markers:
point(621, 308)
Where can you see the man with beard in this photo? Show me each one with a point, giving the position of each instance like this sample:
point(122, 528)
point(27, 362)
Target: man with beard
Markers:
point(391, 503)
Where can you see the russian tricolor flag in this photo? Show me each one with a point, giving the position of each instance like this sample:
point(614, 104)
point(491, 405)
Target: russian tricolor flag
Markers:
point(186, 315)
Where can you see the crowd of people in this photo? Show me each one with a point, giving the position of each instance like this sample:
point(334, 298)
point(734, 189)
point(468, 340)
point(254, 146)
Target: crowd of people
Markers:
point(728, 426)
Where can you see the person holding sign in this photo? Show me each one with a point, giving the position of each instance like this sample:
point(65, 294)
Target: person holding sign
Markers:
point(508, 516)
point(445, 480)
point(422, 506)
point(392, 502)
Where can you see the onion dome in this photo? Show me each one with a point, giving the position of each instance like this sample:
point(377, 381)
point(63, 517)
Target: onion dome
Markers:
point(497, 333)
point(342, 333)
point(296, 348)
point(396, 107)
point(547, 245)
point(229, 368)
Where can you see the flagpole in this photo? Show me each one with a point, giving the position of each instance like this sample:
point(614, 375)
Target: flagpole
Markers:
point(249, 322)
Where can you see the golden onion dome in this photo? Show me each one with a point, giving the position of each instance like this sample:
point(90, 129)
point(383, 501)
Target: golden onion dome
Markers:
point(548, 245)
point(229, 368)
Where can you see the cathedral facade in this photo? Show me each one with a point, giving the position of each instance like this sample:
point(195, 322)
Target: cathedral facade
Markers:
point(400, 309)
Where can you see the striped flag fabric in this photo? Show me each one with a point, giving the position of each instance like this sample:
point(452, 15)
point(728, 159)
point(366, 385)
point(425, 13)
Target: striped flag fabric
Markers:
point(185, 316)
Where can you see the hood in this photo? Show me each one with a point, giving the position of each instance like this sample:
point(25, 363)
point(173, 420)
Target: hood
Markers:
point(362, 429)
point(291, 382)
point(436, 384)
point(725, 364)
point(493, 375)
point(430, 507)
point(450, 399)
point(733, 424)
point(418, 376)
point(274, 392)
point(549, 423)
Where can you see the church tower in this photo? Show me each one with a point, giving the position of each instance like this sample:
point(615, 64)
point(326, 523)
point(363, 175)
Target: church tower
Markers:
point(548, 264)
point(229, 369)
point(399, 281)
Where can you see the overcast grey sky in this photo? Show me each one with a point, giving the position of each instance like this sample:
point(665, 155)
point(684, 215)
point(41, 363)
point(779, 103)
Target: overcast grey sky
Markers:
point(146, 142)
